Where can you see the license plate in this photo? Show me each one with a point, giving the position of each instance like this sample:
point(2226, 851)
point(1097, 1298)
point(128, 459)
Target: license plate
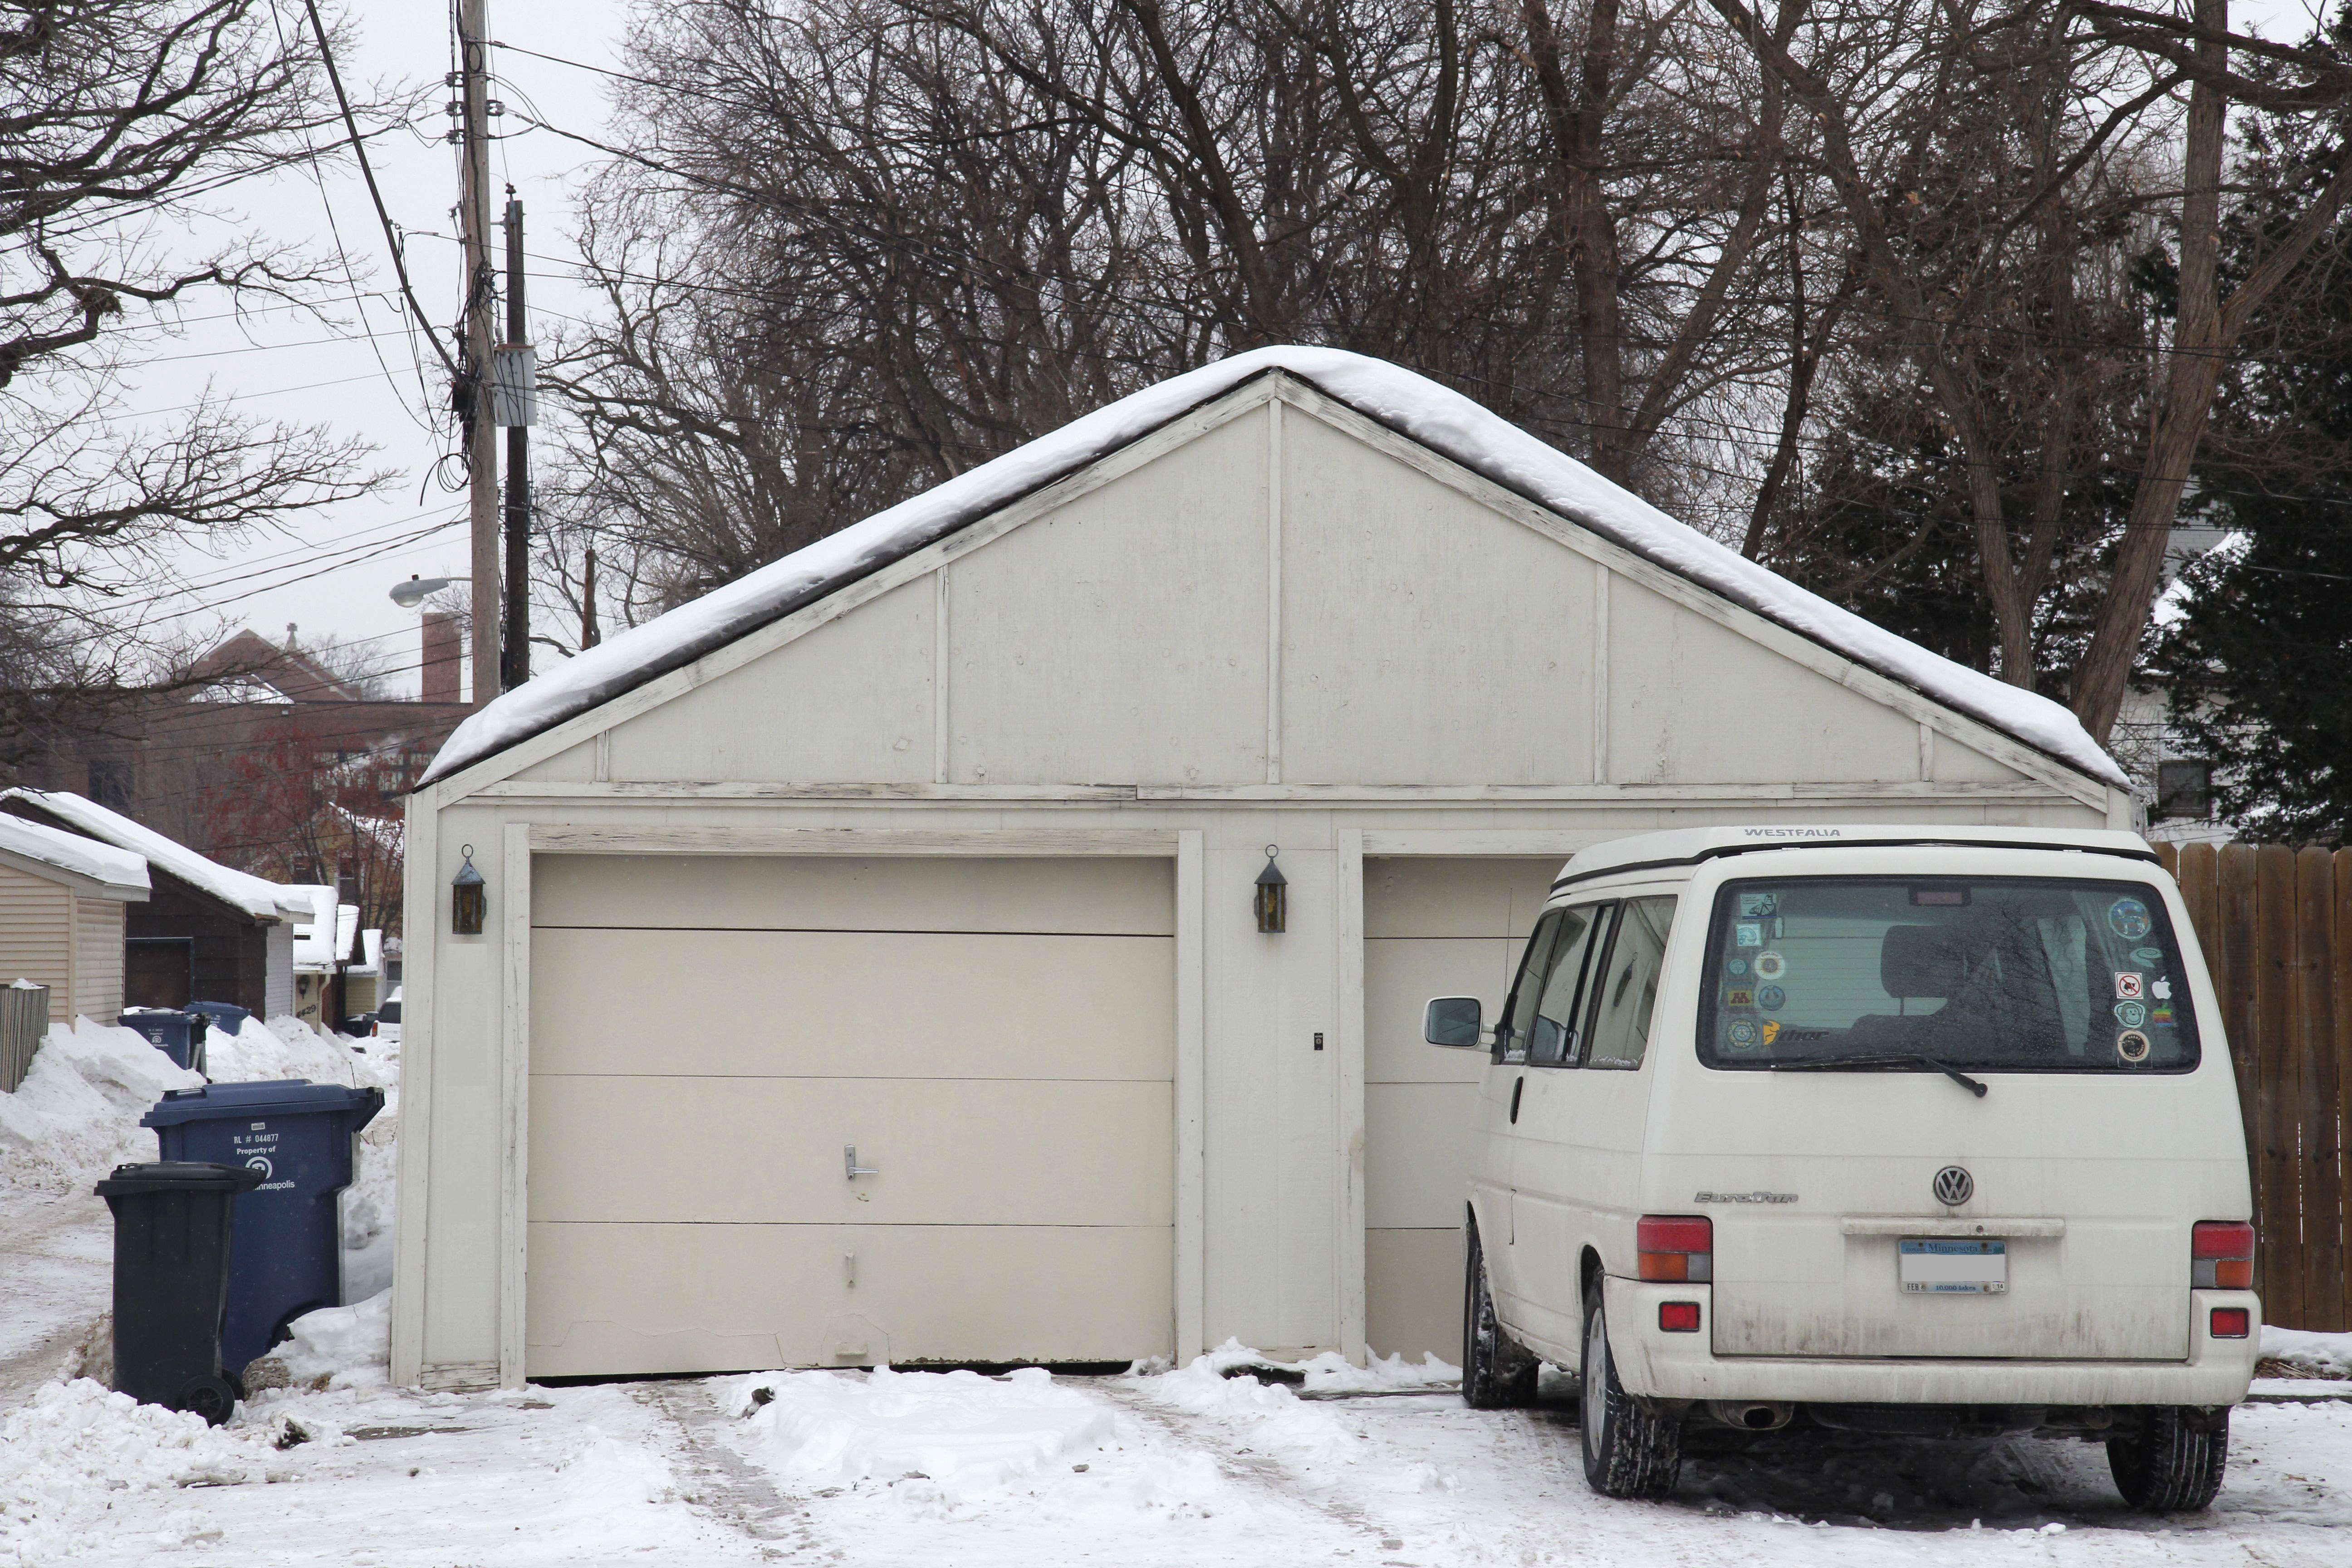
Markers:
point(1937, 1268)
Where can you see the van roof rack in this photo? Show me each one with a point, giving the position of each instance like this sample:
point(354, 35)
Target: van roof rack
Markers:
point(1689, 846)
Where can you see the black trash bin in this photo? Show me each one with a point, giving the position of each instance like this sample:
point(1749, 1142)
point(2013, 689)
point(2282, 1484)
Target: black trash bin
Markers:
point(287, 1258)
point(172, 1228)
point(179, 1036)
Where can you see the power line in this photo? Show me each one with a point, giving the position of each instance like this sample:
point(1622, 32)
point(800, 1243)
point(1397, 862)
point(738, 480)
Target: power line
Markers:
point(384, 219)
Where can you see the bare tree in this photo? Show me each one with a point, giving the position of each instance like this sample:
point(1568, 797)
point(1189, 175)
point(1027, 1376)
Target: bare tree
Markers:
point(2064, 111)
point(849, 252)
point(121, 121)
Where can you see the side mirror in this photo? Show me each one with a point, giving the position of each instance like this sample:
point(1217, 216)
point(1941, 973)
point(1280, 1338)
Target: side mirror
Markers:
point(1455, 1022)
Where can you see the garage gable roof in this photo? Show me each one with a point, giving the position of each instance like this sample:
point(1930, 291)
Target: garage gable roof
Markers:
point(1413, 405)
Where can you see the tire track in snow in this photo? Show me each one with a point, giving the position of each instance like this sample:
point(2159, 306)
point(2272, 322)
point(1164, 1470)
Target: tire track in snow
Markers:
point(1265, 1474)
point(723, 1485)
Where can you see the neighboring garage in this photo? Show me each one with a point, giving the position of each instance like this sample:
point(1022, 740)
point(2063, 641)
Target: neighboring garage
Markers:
point(941, 841)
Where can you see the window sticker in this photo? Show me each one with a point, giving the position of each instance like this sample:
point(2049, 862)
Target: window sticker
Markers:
point(1771, 998)
point(2131, 1015)
point(2131, 1046)
point(2153, 957)
point(1735, 967)
point(1771, 966)
point(1743, 1032)
point(2128, 985)
point(2129, 918)
point(2162, 1017)
point(1738, 996)
point(1757, 906)
point(1771, 1031)
point(2161, 990)
point(1747, 933)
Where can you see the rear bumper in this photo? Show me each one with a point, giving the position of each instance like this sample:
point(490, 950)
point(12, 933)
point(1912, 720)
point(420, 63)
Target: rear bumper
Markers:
point(1683, 1366)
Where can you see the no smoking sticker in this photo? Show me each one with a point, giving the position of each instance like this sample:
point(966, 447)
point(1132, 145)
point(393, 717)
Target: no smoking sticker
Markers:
point(2127, 985)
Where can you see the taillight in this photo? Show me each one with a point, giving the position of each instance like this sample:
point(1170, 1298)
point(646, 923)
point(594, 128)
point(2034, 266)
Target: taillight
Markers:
point(1676, 1249)
point(2233, 1323)
point(2221, 1255)
point(1678, 1316)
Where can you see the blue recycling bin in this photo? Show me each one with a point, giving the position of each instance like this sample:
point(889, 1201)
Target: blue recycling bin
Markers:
point(286, 1251)
point(225, 1016)
point(179, 1036)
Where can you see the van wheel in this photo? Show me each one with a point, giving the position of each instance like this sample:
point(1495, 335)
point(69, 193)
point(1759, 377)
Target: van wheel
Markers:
point(1632, 1450)
point(2173, 1464)
point(1497, 1373)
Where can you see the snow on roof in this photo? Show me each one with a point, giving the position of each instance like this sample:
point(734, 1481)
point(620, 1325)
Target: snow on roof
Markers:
point(1682, 846)
point(314, 953)
point(347, 932)
point(1412, 404)
point(118, 870)
point(260, 900)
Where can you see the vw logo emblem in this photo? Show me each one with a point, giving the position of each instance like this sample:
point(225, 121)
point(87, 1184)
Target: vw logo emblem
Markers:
point(1954, 1186)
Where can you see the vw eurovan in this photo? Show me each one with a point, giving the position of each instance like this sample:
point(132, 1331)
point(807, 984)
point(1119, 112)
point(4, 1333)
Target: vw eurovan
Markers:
point(1902, 1130)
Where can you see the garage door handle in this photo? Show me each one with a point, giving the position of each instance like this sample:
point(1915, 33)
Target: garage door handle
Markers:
point(849, 1164)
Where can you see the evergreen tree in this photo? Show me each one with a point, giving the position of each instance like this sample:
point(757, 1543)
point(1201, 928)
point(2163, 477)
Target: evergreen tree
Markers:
point(2257, 661)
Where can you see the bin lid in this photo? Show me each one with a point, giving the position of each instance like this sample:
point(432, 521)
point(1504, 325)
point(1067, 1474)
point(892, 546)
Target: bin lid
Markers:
point(269, 1097)
point(180, 1177)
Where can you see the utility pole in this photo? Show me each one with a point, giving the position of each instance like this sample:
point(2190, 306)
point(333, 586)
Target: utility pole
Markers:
point(515, 374)
point(472, 78)
point(588, 638)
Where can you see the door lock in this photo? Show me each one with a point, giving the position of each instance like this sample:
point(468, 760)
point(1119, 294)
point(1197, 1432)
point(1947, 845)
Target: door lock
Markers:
point(849, 1164)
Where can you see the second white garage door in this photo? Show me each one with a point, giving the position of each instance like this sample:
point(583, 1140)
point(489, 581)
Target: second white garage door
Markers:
point(1431, 928)
point(711, 1035)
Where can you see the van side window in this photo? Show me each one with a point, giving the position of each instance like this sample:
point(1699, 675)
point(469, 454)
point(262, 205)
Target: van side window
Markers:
point(1626, 994)
point(1552, 1034)
point(1511, 1032)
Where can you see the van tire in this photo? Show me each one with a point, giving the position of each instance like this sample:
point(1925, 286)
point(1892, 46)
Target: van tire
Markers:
point(1497, 1373)
point(2173, 1464)
point(1631, 1448)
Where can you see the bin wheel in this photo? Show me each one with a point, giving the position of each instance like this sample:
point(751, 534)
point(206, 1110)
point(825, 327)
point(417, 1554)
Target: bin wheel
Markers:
point(212, 1397)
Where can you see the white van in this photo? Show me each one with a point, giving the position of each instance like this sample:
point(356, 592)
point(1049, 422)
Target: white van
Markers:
point(1908, 1130)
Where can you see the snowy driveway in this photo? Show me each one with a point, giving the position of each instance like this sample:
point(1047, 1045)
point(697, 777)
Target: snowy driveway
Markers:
point(1180, 1468)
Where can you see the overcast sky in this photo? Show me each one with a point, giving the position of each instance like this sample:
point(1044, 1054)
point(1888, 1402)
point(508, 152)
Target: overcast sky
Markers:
point(333, 575)
point(360, 374)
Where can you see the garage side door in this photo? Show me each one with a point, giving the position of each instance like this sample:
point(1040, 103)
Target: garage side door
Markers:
point(710, 1036)
point(1431, 928)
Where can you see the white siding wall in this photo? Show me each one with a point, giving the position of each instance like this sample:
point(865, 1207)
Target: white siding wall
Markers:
point(97, 969)
point(37, 936)
point(277, 975)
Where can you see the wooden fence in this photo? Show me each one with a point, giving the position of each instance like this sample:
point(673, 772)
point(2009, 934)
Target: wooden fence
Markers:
point(2276, 927)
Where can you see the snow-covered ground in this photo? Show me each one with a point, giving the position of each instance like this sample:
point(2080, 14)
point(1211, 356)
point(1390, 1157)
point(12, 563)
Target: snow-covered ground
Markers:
point(1175, 1467)
point(1321, 1463)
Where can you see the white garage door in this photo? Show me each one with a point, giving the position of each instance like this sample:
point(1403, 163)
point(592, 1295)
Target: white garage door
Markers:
point(1431, 928)
point(710, 1034)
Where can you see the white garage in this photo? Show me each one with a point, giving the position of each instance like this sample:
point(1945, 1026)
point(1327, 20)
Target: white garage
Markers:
point(872, 967)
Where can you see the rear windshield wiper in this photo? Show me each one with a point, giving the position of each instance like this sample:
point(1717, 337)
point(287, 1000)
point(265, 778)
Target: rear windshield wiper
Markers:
point(1883, 1059)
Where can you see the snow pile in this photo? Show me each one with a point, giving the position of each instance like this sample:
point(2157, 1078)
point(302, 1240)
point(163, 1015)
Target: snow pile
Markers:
point(2310, 1355)
point(350, 1347)
point(75, 1116)
point(965, 1433)
point(288, 1048)
point(64, 1452)
point(1441, 419)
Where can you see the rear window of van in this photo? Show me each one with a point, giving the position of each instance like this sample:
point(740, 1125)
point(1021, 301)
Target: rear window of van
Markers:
point(2003, 974)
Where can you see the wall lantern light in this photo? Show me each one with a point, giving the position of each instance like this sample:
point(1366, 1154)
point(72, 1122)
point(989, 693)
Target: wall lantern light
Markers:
point(1272, 902)
point(468, 898)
